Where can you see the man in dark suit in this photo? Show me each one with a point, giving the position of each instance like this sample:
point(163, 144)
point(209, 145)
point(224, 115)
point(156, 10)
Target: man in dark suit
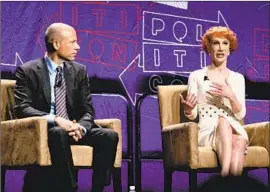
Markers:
point(57, 88)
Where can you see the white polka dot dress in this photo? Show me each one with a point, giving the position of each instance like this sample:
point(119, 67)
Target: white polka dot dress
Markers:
point(210, 108)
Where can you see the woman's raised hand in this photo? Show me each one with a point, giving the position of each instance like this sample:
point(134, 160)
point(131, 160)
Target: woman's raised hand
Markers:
point(189, 103)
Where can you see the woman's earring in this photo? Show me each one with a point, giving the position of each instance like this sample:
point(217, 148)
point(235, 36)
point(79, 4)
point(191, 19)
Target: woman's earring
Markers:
point(228, 53)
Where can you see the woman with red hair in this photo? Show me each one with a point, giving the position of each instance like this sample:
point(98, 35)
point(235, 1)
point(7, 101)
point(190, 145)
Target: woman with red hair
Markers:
point(217, 95)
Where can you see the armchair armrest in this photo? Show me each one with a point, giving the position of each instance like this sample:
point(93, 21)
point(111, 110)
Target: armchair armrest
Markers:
point(180, 145)
point(24, 141)
point(114, 124)
point(259, 134)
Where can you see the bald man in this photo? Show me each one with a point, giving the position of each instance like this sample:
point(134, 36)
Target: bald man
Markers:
point(57, 88)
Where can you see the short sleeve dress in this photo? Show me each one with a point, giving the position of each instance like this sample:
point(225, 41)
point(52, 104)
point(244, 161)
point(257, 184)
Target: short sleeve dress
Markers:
point(210, 108)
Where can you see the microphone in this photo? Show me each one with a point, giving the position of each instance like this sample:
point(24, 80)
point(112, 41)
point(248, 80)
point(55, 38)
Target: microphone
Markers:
point(205, 78)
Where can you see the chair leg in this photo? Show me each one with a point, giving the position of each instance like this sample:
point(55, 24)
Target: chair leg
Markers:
point(192, 180)
point(168, 180)
point(3, 178)
point(117, 184)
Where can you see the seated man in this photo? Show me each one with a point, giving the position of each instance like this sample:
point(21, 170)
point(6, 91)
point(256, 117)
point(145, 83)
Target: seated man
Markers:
point(57, 88)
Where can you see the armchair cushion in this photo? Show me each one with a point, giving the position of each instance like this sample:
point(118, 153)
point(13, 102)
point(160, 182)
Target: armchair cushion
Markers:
point(257, 156)
point(259, 134)
point(207, 158)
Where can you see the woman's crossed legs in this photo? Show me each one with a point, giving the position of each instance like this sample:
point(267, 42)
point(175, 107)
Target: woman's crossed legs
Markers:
point(230, 148)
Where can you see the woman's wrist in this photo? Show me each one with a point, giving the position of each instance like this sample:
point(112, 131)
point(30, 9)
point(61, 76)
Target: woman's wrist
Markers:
point(188, 112)
point(232, 97)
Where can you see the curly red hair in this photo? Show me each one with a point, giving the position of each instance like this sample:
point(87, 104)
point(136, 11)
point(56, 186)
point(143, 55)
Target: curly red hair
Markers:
point(221, 32)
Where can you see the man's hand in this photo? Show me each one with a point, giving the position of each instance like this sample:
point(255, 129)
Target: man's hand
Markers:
point(74, 130)
point(64, 123)
point(189, 103)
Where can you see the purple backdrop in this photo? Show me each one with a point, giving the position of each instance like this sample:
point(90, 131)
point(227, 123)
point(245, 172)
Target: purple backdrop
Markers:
point(132, 42)
point(140, 45)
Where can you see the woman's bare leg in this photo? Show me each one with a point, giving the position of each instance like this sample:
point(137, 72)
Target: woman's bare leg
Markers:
point(224, 145)
point(238, 154)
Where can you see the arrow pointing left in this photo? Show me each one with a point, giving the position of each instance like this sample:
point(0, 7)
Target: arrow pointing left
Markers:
point(18, 60)
point(129, 78)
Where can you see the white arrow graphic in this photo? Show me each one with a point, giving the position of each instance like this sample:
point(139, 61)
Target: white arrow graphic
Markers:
point(128, 78)
point(179, 5)
point(17, 59)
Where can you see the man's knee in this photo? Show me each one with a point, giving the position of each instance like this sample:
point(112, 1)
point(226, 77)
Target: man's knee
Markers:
point(113, 136)
point(110, 136)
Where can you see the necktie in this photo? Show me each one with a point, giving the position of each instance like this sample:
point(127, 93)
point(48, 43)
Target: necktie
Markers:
point(60, 94)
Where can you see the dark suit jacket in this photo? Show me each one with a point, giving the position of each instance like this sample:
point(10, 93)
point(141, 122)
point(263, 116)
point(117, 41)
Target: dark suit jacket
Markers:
point(33, 92)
